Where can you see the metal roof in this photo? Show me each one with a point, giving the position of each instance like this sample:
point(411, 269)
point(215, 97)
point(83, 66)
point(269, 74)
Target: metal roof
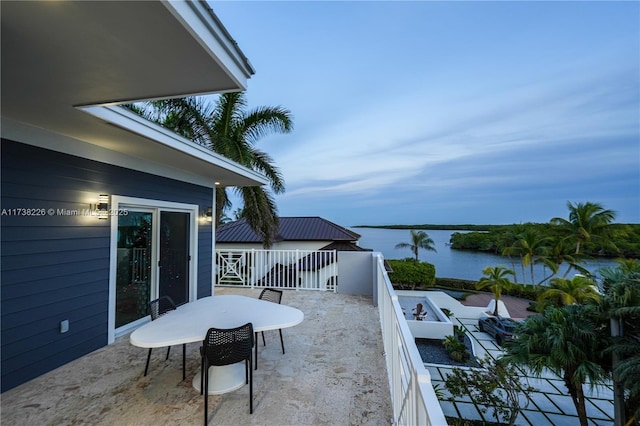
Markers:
point(291, 229)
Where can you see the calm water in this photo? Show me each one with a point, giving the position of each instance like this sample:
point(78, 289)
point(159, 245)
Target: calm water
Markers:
point(450, 263)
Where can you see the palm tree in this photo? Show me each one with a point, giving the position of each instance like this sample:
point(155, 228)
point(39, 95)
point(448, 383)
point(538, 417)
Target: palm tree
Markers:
point(566, 341)
point(621, 304)
point(588, 223)
point(506, 243)
point(419, 240)
point(532, 249)
point(562, 291)
point(561, 252)
point(496, 278)
point(228, 129)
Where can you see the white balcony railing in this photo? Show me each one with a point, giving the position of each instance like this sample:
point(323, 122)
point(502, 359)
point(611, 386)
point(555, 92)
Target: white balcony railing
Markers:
point(413, 398)
point(299, 269)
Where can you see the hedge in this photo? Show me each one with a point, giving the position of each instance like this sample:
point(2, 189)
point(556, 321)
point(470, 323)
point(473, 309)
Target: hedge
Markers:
point(409, 273)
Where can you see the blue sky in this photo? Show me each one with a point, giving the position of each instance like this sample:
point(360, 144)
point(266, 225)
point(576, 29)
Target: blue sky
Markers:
point(448, 112)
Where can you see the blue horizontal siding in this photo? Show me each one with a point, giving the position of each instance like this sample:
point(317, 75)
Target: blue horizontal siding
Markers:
point(57, 267)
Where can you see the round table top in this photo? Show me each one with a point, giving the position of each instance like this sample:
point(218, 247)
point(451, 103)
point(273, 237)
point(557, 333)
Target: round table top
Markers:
point(191, 321)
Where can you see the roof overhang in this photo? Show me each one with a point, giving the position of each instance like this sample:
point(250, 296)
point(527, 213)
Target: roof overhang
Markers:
point(66, 65)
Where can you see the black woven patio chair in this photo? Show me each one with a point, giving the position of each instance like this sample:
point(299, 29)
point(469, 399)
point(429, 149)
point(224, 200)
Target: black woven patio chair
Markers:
point(226, 347)
point(158, 308)
point(275, 296)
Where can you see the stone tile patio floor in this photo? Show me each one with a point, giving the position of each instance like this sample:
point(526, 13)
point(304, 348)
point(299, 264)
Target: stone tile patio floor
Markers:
point(333, 373)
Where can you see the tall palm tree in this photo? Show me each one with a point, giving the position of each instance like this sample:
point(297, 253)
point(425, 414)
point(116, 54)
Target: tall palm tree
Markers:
point(566, 341)
point(588, 222)
point(419, 240)
point(561, 251)
point(506, 243)
point(496, 279)
point(225, 127)
point(532, 249)
point(562, 291)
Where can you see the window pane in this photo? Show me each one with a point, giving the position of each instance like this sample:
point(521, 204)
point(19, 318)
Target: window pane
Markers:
point(133, 267)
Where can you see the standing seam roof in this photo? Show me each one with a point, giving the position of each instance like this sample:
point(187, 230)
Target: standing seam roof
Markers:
point(291, 229)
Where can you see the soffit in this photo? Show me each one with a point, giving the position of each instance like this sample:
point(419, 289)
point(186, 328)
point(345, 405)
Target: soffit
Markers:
point(60, 55)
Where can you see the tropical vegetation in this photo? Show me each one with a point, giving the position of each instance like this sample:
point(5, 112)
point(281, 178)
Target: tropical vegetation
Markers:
point(419, 240)
point(494, 385)
point(587, 332)
point(409, 273)
point(226, 127)
point(620, 307)
point(588, 231)
point(456, 348)
point(563, 292)
point(496, 279)
point(566, 341)
point(587, 337)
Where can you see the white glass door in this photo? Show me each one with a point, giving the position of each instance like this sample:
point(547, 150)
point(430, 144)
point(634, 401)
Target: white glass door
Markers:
point(153, 249)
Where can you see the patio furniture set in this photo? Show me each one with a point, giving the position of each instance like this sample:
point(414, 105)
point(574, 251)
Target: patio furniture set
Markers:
point(228, 328)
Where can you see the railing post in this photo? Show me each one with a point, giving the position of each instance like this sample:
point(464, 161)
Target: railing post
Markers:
point(251, 268)
point(297, 282)
point(334, 270)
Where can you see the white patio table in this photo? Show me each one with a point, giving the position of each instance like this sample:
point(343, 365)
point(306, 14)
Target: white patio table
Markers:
point(191, 321)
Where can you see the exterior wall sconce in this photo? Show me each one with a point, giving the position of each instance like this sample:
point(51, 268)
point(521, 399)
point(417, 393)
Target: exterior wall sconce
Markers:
point(102, 208)
point(209, 214)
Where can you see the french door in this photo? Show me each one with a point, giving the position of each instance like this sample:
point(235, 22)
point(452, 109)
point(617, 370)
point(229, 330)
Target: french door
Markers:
point(154, 248)
point(173, 264)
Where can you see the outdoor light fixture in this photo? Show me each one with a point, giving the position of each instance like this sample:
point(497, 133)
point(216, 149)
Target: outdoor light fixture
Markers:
point(102, 208)
point(209, 214)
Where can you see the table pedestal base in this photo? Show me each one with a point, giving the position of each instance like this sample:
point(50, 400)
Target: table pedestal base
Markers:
point(223, 379)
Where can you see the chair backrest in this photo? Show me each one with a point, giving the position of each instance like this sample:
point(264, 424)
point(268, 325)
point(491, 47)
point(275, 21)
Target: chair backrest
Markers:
point(224, 346)
point(271, 295)
point(161, 306)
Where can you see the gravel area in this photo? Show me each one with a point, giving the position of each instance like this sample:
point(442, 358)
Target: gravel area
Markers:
point(433, 352)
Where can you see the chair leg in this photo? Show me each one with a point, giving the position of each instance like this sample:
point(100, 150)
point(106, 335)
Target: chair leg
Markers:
point(202, 376)
point(281, 340)
point(255, 342)
point(146, 368)
point(250, 388)
point(206, 397)
point(184, 356)
point(263, 342)
point(168, 349)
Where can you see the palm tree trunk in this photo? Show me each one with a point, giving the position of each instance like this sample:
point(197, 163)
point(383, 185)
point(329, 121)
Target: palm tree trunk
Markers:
point(533, 281)
point(513, 266)
point(577, 395)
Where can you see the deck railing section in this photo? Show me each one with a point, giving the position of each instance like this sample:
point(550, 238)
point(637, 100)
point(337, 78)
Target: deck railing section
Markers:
point(412, 396)
point(296, 269)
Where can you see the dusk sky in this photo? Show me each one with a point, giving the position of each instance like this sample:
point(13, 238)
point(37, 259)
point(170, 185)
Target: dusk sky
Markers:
point(448, 112)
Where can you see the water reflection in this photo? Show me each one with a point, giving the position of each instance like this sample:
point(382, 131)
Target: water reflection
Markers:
point(451, 263)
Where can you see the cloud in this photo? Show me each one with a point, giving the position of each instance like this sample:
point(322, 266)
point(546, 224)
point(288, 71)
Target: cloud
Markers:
point(473, 116)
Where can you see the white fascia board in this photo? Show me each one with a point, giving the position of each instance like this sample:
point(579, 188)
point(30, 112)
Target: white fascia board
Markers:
point(205, 27)
point(134, 123)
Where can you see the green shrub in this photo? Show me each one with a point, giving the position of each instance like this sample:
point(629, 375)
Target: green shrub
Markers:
point(409, 273)
point(457, 349)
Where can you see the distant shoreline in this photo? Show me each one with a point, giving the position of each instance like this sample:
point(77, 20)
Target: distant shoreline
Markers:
point(463, 227)
point(466, 227)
